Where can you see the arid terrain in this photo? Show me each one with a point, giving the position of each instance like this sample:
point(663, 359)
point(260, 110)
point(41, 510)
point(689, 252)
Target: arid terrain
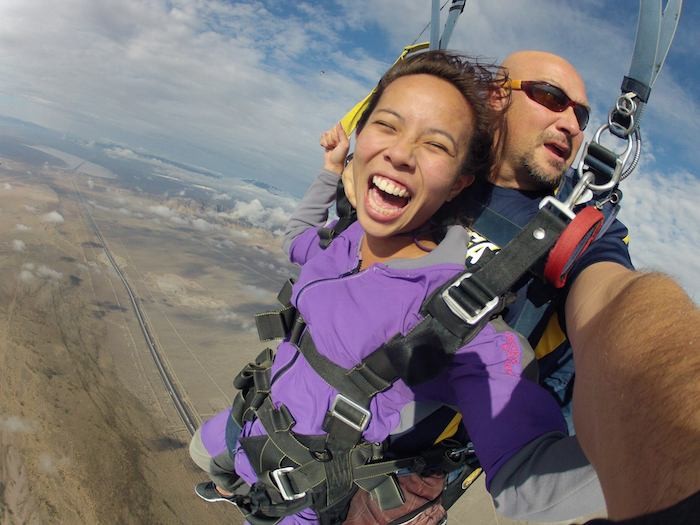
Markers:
point(88, 433)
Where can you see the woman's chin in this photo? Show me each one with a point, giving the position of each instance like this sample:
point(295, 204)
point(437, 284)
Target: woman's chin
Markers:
point(377, 228)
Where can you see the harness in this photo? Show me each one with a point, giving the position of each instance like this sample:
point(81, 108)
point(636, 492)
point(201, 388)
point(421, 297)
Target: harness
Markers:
point(323, 472)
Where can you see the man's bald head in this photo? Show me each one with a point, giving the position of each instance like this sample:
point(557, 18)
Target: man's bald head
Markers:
point(540, 144)
point(529, 62)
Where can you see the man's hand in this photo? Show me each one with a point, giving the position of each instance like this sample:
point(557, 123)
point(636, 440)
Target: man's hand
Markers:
point(336, 145)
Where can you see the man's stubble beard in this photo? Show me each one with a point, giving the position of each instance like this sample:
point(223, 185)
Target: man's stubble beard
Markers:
point(540, 177)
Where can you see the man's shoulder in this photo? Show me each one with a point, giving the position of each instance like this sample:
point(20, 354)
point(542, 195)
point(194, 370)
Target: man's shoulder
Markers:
point(517, 206)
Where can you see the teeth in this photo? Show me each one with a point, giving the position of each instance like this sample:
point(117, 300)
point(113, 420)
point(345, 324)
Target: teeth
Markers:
point(389, 187)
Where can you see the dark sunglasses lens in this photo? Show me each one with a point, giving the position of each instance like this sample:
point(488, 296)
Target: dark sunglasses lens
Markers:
point(555, 99)
point(550, 97)
point(581, 116)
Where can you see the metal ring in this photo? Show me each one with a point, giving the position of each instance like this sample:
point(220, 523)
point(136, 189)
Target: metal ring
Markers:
point(625, 104)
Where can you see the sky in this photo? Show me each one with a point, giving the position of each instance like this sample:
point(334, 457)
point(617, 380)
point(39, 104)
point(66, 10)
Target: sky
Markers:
point(245, 88)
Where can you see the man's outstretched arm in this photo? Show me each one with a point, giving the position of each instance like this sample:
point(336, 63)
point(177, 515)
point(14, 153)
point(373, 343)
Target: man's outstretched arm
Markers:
point(636, 340)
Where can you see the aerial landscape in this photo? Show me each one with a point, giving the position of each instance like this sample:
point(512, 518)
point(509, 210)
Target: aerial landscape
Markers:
point(88, 432)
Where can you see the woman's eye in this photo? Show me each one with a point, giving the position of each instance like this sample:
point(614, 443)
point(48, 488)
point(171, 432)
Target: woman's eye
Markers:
point(439, 146)
point(383, 124)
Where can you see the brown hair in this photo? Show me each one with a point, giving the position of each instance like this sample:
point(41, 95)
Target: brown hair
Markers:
point(478, 83)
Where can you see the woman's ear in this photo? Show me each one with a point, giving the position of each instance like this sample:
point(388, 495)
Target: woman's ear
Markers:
point(349, 183)
point(463, 181)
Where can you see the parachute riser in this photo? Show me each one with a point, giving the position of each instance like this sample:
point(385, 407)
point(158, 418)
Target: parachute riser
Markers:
point(600, 170)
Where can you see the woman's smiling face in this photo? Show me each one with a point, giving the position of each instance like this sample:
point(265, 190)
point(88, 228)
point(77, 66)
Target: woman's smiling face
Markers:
point(409, 155)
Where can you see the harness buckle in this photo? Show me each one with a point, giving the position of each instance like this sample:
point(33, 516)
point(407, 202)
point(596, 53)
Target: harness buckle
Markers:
point(459, 311)
point(279, 476)
point(565, 208)
point(350, 413)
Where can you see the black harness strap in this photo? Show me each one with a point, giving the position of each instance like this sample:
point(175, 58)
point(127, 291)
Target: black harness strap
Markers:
point(277, 323)
point(505, 268)
point(346, 216)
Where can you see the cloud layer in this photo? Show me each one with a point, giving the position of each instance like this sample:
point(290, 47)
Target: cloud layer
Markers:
point(244, 88)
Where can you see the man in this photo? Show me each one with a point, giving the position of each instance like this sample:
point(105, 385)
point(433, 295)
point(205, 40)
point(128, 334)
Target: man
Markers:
point(634, 336)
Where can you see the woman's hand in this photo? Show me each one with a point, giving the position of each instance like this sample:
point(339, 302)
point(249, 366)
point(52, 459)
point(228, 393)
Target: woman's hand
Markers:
point(336, 145)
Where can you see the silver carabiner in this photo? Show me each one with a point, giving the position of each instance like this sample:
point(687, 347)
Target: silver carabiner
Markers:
point(619, 163)
point(626, 107)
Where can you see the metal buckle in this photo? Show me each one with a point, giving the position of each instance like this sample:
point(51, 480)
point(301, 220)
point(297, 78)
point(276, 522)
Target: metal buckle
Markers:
point(563, 207)
point(348, 415)
point(283, 485)
point(460, 312)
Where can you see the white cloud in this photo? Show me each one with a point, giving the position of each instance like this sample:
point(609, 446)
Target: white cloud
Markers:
point(663, 223)
point(47, 273)
point(227, 317)
point(180, 221)
point(255, 213)
point(7, 186)
point(52, 217)
point(22, 227)
point(162, 211)
point(18, 245)
point(31, 271)
point(16, 424)
point(133, 70)
point(26, 276)
point(202, 225)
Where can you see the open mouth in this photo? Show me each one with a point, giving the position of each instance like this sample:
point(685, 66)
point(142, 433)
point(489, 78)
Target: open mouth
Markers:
point(386, 198)
point(557, 149)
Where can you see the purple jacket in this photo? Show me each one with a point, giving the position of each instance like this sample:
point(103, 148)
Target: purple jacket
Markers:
point(349, 314)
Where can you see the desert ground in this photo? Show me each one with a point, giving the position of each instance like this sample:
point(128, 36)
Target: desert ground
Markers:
point(88, 433)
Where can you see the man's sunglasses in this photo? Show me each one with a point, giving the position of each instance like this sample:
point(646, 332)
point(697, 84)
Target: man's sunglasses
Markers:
point(552, 98)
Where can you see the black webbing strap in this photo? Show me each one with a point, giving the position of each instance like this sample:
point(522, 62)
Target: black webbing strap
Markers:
point(276, 324)
point(345, 421)
point(346, 216)
point(474, 296)
point(359, 383)
point(453, 315)
point(253, 384)
point(278, 424)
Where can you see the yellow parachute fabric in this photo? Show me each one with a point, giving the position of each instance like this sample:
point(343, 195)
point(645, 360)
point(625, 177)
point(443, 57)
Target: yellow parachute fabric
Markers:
point(349, 121)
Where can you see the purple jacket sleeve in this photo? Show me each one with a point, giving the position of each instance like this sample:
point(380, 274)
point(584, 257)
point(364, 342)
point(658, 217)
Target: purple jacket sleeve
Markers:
point(502, 409)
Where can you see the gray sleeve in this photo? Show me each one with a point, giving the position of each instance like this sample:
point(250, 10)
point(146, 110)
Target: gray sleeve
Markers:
point(312, 210)
point(548, 480)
